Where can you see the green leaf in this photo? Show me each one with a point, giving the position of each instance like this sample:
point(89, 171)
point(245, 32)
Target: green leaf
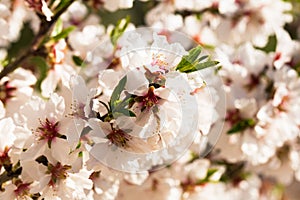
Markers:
point(210, 172)
point(126, 112)
point(62, 4)
point(57, 29)
point(235, 172)
point(78, 145)
point(41, 64)
point(201, 66)
point(78, 61)
point(241, 126)
point(64, 33)
point(270, 46)
point(193, 54)
point(132, 114)
point(24, 41)
point(191, 62)
point(117, 32)
point(194, 156)
point(218, 69)
point(203, 58)
point(188, 60)
point(117, 92)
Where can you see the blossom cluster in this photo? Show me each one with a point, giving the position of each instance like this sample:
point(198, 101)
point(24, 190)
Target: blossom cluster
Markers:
point(204, 103)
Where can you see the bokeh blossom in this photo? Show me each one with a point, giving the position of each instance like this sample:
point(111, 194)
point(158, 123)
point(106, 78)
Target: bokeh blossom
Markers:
point(204, 103)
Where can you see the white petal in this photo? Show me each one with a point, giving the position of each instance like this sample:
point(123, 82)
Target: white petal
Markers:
point(65, 72)
point(166, 94)
point(2, 110)
point(136, 82)
point(43, 182)
point(46, 11)
point(100, 151)
point(99, 127)
point(22, 77)
point(22, 136)
point(60, 150)
point(7, 136)
point(49, 83)
point(9, 192)
point(34, 151)
point(32, 170)
point(80, 91)
point(55, 107)
point(83, 178)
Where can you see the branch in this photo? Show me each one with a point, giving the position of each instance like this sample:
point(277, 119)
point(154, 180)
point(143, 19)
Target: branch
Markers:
point(185, 13)
point(45, 28)
point(6, 176)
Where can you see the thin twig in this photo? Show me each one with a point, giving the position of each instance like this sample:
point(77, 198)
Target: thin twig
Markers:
point(6, 176)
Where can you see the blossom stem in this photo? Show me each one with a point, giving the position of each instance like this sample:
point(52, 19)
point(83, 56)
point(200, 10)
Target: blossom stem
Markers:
point(9, 175)
point(35, 46)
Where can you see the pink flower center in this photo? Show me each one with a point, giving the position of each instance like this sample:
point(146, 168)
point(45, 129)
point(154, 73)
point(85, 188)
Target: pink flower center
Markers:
point(233, 116)
point(118, 137)
point(48, 131)
point(35, 4)
point(4, 158)
point(58, 172)
point(253, 82)
point(96, 4)
point(22, 189)
point(148, 100)
point(6, 91)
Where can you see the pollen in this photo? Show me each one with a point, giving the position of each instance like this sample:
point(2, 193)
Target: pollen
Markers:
point(159, 61)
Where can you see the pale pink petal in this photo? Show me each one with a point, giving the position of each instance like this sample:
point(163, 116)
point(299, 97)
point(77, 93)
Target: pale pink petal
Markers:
point(60, 150)
point(49, 83)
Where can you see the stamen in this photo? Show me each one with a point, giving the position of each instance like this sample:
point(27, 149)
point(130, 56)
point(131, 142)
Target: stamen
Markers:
point(119, 138)
point(58, 172)
point(48, 131)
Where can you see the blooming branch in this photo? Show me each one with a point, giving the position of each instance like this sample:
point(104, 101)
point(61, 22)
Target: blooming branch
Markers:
point(36, 45)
